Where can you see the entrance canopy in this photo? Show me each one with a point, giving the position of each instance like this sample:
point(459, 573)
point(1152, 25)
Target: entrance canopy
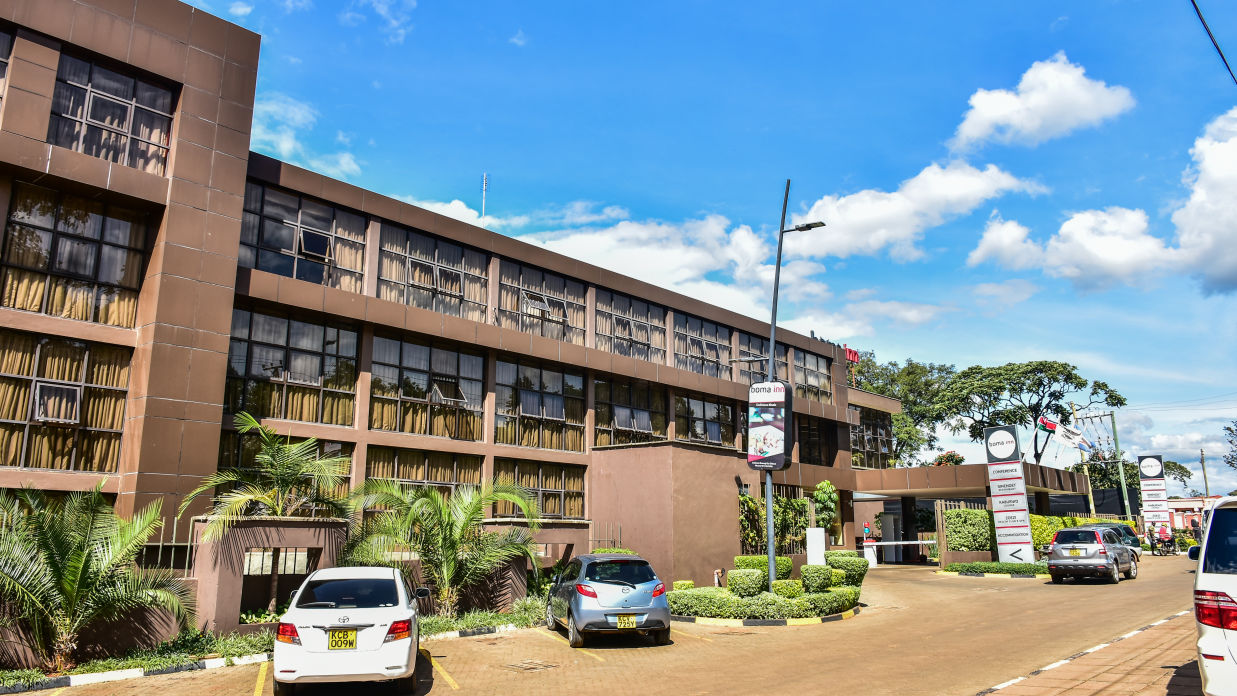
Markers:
point(962, 481)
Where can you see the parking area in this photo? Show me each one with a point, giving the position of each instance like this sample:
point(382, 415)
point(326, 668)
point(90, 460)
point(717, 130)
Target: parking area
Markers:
point(907, 640)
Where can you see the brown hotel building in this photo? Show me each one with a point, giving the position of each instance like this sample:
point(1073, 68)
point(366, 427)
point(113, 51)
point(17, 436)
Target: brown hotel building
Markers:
point(156, 277)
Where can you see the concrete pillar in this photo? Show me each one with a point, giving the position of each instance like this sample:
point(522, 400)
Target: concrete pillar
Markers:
point(909, 531)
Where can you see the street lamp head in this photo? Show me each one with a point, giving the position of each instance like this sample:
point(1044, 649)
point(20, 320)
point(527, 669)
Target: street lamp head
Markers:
point(807, 226)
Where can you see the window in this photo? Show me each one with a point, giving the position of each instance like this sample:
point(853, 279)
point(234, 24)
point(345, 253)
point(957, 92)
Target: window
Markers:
point(426, 390)
point(704, 420)
point(424, 271)
point(348, 593)
point(751, 346)
point(438, 469)
point(812, 380)
point(558, 487)
point(701, 346)
point(237, 451)
point(631, 327)
point(537, 407)
point(285, 368)
point(287, 234)
point(110, 115)
point(540, 303)
point(6, 49)
point(62, 402)
point(628, 412)
point(870, 441)
point(814, 440)
point(292, 561)
point(1220, 556)
point(72, 258)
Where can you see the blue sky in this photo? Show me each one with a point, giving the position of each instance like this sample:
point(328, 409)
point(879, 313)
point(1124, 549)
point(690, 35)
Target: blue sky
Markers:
point(1051, 180)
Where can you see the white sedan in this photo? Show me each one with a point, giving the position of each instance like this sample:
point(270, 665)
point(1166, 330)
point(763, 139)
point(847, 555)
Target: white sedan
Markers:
point(349, 624)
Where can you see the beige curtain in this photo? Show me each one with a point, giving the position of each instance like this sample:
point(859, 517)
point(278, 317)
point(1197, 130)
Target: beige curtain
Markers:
point(573, 439)
point(552, 504)
point(441, 468)
point(601, 437)
point(347, 281)
point(71, 299)
point(49, 448)
point(411, 465)
point(10, 444)
point(442, 421)
point(99, 452)
point(505, 431)
point(16, 353)
point(117, 307)
point(27, 247)
point(393, 267)
point(421, 274)
point(104, 409)
point(303, 404)
point(58, 402)
point(349, 255)
point(573, 483)
point(383, 414)
point(504, 471)
point(527, 476)
point(552, 435)
point(530, 429)
point(551, 477)
point(337, 409)
point(573, 505)
point(380, 463)
point(61, 360)
point(265, 399)
point(23, 290)
point(469, 425)
point(109, 367)
point(14, 398)
point(415, 418)
point(468, 469)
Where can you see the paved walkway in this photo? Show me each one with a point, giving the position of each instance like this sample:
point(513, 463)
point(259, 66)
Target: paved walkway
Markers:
point(1159, 661)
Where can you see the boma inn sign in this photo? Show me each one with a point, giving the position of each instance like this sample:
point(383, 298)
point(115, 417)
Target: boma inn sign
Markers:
point(768, 444)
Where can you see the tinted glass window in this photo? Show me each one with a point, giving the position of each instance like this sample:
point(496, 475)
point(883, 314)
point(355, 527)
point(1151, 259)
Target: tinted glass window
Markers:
point(622, 571)
point(359, 593)
point(1221, 553)
point(1076, 536)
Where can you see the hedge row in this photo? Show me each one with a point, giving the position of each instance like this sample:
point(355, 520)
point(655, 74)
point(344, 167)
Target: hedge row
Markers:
point(843, 553)
point(788, 588)
point(993, 567)
point(855, 568)
point(971, 530)
point(818, 578)
point(781, 563)
point(684, 584)
point(744, 582)
point(717, 602)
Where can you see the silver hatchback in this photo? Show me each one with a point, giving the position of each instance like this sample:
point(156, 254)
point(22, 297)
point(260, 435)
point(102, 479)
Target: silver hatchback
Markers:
point(1090, 551)
point(608, 593)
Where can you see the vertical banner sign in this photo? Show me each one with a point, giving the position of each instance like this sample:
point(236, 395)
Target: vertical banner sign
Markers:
point(1154, 490)
point(768, 415)
point(1010, 514)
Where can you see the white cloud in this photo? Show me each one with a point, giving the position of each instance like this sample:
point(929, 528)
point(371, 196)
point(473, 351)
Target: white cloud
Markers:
point(279, 124)
point(1207, 222)
point(240, 9)
point(1006, 294)
point(459, 210)
point(830, 326)
point(519, 39)
point(1005, 242)
point(343, 138)
point(396, 16)
point(1053, 98)
point(1098, 248)
point(868, 221)
point(904, 313)
point(860, 294)
point(296, 5)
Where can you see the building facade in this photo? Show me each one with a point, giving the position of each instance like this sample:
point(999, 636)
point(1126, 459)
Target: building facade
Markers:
point(157, 277)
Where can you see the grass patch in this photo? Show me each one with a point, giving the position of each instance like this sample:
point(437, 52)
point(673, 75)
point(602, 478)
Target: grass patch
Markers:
point(15, 677)
point(529, 611)
point(184, 649)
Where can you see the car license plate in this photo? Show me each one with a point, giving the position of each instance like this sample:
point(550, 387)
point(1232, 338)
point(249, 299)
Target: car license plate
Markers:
point(626, 620)
point(342, 639)
point(1075, 552)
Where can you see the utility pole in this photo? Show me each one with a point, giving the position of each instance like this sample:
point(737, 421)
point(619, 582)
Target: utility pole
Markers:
point(1086, 470)
point(1202, 461)
point(1125, 498)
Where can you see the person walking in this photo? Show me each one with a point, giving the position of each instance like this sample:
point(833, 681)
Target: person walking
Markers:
point(1197, 529)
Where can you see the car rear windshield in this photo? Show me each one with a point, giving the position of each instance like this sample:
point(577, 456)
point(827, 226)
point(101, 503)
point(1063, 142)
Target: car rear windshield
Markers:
point(1221, 553)
point(351, 593)
point(620, 571)
point(1076, 536)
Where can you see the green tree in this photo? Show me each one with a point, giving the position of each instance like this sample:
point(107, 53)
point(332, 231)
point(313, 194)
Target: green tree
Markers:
point(917, 385)
point(444, 531)
point(1230, 434)
point(825, 501)
point(288, 479)
point(1018, 394)
point(68, 563)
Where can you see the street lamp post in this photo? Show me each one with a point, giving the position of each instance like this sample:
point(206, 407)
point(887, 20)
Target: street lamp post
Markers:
point(772, 372)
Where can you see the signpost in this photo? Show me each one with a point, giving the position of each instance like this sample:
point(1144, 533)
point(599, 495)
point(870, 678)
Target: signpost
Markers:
point(1010, 514)
point(1154, 489)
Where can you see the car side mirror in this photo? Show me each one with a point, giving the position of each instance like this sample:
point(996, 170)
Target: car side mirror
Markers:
point(422, 593)
point(292, 596)
point(1192, 553)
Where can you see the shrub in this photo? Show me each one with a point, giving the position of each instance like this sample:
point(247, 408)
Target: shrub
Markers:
point(788, 588)
point(969, 530)
point(683, 584)
point(816, 578)
point(614, 549)
point(747, 582)
point(841, 553)
point(854, 568)
point(719, 603)
point(782, 564)
point(838, 577)
point(995, 567)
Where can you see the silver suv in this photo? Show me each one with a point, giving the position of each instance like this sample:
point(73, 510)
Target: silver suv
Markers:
point(1090, 551)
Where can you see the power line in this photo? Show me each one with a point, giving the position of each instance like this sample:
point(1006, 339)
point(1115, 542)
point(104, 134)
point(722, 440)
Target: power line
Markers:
point(1213, 41)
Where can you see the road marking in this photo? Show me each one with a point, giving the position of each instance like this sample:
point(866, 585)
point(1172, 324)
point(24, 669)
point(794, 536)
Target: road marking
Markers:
point(562, 640)
point(1101, 646)
point(677, 632)
point(257, 687)
point(1054, 665)
point(438, 666)
point(1131, 634)
point(1011, 682)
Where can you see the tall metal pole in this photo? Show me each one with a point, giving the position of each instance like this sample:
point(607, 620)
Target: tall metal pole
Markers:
point(1202, 461)
point(1086, 470)
point(777, 272)
point(1116, 443)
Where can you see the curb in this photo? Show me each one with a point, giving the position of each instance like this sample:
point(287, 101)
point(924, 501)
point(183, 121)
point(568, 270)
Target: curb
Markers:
point(1088, 651)
point(469, 632)
point(735, 623)
point(135, 673)
point(1016, 576)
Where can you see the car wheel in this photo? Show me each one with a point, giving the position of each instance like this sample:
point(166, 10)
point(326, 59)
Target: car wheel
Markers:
point(662, 637)
point(283, 689)
point(550, 623)
point(1115, 577)
point(408, 685)
point(1058, 579)
point(1132, 571)
point(574, 637)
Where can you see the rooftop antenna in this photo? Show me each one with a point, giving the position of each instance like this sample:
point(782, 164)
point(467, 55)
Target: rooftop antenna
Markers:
point(485, 186)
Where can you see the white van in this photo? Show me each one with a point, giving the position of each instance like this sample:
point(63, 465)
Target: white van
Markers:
point(1215, 606)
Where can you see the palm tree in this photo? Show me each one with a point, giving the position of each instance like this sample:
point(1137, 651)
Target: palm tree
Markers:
point(288, 479)
point(444, 531)
point(68, 563)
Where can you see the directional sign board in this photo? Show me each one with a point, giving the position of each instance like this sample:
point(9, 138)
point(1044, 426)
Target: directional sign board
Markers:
point(1010, 514)
point(1154, 489)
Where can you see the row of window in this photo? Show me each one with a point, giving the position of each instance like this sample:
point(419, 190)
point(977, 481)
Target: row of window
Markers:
point(871, 440)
